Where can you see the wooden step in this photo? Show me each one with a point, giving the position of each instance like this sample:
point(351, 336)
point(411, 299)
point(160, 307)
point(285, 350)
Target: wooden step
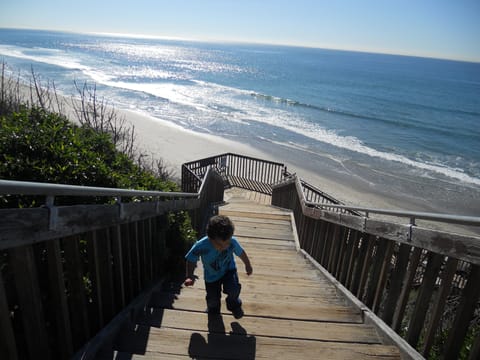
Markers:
point(155, 343)
point(254, 214)
point(291, 310)
point(333, 313)
point(291, 329)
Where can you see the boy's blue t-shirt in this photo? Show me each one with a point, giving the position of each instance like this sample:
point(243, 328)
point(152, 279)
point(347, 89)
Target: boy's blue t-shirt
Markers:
point(215, 263)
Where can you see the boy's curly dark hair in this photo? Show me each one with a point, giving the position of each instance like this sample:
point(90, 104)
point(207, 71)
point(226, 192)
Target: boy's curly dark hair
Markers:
point(220, 226)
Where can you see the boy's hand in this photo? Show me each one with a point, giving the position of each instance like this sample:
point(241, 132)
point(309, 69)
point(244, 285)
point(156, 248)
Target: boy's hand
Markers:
point(248, 269)
point(189, 281)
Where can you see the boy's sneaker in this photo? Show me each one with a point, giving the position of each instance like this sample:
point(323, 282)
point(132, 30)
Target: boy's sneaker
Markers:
point(238, 313)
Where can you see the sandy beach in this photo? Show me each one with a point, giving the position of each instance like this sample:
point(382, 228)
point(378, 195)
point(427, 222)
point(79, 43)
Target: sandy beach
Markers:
point(175, 146)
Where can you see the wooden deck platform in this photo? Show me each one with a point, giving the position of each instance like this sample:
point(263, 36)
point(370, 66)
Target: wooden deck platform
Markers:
point(291, 310)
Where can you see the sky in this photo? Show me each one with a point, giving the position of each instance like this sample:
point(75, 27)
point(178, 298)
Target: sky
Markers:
point(431, 28)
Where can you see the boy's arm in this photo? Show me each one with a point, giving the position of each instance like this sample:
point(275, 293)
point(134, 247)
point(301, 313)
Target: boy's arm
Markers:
point(246, 261)
point(189, 269)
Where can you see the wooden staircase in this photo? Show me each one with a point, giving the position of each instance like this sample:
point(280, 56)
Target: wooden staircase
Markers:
point(291, 310)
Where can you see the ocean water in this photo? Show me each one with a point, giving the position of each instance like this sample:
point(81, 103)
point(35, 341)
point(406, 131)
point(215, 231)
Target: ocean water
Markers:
point(402, 125)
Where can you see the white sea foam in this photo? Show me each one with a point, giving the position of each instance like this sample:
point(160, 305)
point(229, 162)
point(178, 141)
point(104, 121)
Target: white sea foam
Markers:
point(204, 95)
point(50, 56)
point(210, 100)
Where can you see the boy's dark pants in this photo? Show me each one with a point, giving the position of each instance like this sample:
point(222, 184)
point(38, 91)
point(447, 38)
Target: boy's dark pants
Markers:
point(231, 287)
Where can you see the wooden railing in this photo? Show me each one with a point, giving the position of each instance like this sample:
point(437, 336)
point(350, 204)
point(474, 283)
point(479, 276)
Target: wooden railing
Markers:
point(67, 271)
point(422, 283)
point(236, 170)
point(251, 174)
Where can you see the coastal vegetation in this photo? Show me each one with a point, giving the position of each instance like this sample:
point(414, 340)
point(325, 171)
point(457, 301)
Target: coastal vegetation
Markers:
point(39, 141)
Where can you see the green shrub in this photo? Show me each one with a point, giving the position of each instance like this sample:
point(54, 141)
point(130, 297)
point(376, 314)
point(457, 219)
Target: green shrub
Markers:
point(39, 146)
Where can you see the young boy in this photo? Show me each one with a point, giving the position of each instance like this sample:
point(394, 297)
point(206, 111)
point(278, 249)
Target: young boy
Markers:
point(219, 270)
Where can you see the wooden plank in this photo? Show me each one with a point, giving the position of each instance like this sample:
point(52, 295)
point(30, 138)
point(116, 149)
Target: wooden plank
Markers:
point(311, 237)
point(382, 279)
point(279, 328)
point(335, 240)
point(148, 249)
point(269, 242)
point(266, 253)
point(340, 261)
point(259, 221)
point(96, 308)
point(437, 310)
point(365, 268)
point(265, 269)
point(59, 299)
point(321, 228)
point(135, 258)
point(312, 312)
point(462, 247)
point(254, 214)
point(353, 259)
point(127, 262)
point(265, 234)
point(396, 282)
point(104, 265)
point(278, 288)
point(327, 243)
point(23, 267)
point(406, 287)
point(164, 341)
point(378, 264)
point(423, 300)
point(156, 255)
point(19, 226)
point(77, 302)
point(327, 297)
point(279, 271)
point(465, 311)
point(8, 347)
point(251, 206)
point(118, 267)
point(142, 254)
point(28, 226)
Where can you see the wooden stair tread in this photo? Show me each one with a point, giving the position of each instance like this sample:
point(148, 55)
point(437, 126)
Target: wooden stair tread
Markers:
point(163, 342)
point(291, 310)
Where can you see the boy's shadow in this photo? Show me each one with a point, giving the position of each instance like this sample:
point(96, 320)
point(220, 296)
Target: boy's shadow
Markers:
point(219, 345)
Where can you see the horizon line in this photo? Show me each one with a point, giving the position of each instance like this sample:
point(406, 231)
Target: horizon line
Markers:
point(248, 42)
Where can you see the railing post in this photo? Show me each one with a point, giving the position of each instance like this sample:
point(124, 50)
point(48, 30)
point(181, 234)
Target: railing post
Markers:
point(22, 262)
point(470, 296)
point(8, 346)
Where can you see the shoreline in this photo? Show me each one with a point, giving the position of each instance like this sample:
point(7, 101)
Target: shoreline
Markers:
point(176, 145)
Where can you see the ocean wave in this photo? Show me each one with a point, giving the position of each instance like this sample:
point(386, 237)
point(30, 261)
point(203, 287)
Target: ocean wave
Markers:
point(289, 102)
point(354, 144)
point(214, 101)
point(50, 56)
point(217, 99)
point(356, 115)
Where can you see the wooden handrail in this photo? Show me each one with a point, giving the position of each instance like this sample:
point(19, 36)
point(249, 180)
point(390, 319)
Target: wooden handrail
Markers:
point(66, 271)
point(412, 215)
point(11, 187)
point(400, 273)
